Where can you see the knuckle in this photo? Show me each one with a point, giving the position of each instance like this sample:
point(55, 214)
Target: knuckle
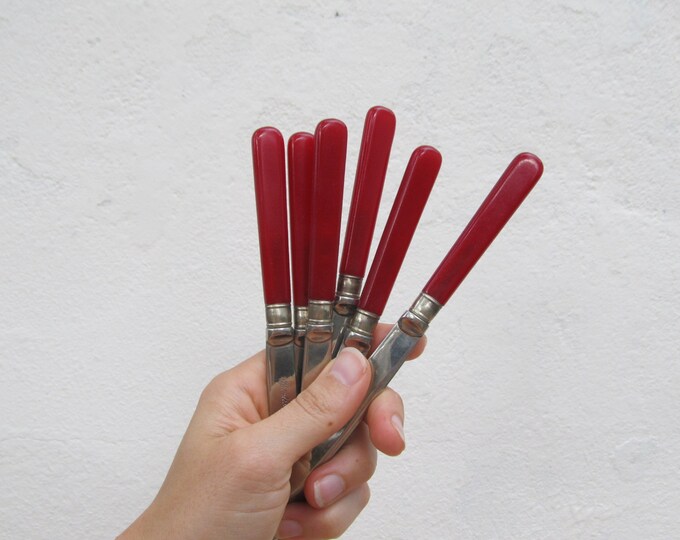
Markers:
point(387, 403)
point(315, 404)
point(365, 454)
point(214, 390)
point(210, 391)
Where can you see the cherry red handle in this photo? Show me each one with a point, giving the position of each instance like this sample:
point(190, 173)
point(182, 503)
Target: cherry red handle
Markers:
point(270, 197)
point(505, 197)
point(408, 206)
point(300, 176)
point(374, 155)
point(330, 149)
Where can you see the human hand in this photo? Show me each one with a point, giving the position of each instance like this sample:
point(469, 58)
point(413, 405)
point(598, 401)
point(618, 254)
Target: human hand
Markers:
point(230, 476)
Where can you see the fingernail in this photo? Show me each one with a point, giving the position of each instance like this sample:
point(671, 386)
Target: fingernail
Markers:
point(399, 426)
point(349, 366)
point(328, 489)
point(289, 529)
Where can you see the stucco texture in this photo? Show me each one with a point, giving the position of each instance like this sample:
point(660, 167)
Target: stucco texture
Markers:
point(547, 404)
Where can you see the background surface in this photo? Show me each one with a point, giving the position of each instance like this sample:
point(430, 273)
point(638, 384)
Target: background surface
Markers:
point(547, 403)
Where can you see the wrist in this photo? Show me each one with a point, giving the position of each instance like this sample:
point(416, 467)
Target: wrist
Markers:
point(150, 525)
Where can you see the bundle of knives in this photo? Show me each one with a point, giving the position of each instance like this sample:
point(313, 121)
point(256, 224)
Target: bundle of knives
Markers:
point(328, 318)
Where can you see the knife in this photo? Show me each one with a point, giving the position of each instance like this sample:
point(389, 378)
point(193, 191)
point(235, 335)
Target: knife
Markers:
point(300, 176)
point(330, 149)
point(506, 196)
point(270, 197)
point(374, 154)
point(414, 190)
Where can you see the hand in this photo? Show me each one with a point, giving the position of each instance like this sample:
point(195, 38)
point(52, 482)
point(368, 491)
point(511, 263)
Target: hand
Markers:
point(230, 476)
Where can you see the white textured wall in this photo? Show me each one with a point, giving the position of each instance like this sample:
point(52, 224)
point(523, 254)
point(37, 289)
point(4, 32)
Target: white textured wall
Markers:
point(547, 404)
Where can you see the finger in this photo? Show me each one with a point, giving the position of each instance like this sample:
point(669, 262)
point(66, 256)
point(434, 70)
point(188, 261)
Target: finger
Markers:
point(301, 521)
point(385, 419)
point(382, 330)
point(351, 467)
point(239, 388)
point(318, 411)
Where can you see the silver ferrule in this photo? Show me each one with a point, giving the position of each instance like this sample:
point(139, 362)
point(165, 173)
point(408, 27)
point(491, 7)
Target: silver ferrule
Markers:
point(279, 324)
point(360, 330)
point(347, 294)
point(300, 319)
point(319, 320)
point(419, 316)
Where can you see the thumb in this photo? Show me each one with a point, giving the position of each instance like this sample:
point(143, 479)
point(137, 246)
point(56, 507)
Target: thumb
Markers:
point(318, 411)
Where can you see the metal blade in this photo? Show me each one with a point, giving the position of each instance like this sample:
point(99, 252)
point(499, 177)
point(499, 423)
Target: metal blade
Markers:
point(384, 362)
point(299, 353)
point(281, 375)
point(339, 322)
point(317, 355)
point(339, 331)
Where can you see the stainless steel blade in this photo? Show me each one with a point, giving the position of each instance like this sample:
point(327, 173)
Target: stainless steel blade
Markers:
point(280, 357)
point(345, 305)
point(318, 340)
point(339, 322)
point(339, 336)
point(299, 353)
point(385, 361)
point(300, 318)
point(316, 355)
point(281, 375)
point(357, 333)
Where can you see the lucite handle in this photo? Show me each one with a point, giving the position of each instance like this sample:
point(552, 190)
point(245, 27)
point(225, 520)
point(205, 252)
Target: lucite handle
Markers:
point(330, 150)
point(408, 206)
point(374, 155)
point(272, 221)
point(498, 207)
point(300, 176)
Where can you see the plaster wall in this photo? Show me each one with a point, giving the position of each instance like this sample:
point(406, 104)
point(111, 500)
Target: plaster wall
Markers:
point(546, 405)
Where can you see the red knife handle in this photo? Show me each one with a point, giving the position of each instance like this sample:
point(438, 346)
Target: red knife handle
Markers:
point(374, 155)
point(330, 149)
point(270, 197)
point(506, 196)
point(300, 176)
point(408, 206)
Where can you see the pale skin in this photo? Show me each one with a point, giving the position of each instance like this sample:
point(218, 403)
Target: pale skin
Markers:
point(230, 476)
